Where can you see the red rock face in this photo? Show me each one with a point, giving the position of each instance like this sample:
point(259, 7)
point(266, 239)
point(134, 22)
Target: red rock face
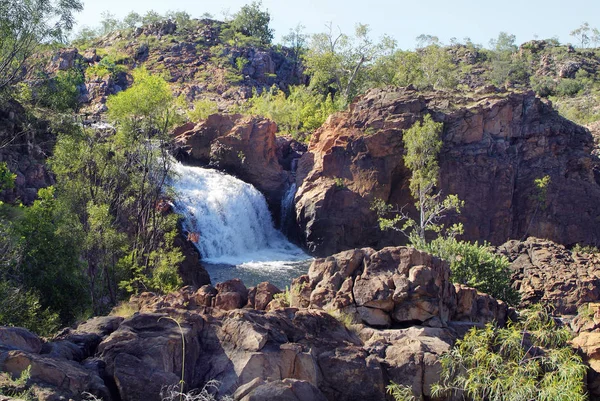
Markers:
point(495, 146)
point(243, 146)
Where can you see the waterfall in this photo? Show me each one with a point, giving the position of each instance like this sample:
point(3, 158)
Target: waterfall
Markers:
point(229, 221)
point(287, 208)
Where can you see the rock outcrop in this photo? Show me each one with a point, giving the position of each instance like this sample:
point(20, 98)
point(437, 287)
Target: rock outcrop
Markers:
point(243, 146)
point(394, 287)
point(222, 333)
point(548, 273)
point(495, 146)
point(24, 147)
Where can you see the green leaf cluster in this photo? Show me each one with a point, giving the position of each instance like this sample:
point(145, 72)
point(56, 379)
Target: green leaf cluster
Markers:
point(528, 360)
point(422, 144)
point(114, 184)
point(298, 113)
point(251, 21)
point(476, 266)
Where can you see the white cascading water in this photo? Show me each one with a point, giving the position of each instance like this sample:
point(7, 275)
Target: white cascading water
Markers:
point(230, 224)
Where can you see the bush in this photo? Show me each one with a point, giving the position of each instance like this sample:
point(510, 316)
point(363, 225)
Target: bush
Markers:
point(61, 93)
point(476, 266)
point(528, 360)
point(568, 87)
point(202, 109)
point(251, 21)
point(300, 112)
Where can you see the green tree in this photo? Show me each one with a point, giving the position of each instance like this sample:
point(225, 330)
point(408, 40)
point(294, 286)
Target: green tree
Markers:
point(24, 25)
point(50, 262)
point(108, 23)
point(132, 20)
point(506, 65)
point(338, 63)
point(422, 144)
point(151, 17)
point(114, 185)
point(252, 21)
point(528, 360)
point(583, 34)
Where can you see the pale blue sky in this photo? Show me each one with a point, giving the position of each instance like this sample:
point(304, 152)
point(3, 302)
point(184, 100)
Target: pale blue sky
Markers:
point(402, 19)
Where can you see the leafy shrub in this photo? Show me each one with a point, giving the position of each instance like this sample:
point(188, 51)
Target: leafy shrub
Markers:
point(476, 266)
point(528, 360)
point(50, 262)
point(253, 22)
point(22, 308)
point(61, 93)
point(568, 87)
point(107, 67)
point(301, 111)
point(202, 109)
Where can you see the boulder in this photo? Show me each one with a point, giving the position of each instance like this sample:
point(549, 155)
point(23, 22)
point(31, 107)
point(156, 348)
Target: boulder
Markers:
point(395, 286)
point(17, 338)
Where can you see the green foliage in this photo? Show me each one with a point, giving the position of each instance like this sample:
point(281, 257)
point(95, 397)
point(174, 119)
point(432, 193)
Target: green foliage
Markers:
point(61, 93)
point(106, 67)
point(337, 63)
point(202, 109)
point(582, 110)
point(50, 258)
point(476, 266)
point(24, 25)
point(578, 248)
point(17, 388)
point(423, 144)
point(569, 87)
point(22, 308)
point(339, 183)
point(146, 108)
point(151, 17)
point(400, 392)
point(541, 186)
point(300, 112)
point(253, 22)
point(132, 20)
point(528, 360)
point(114, 185)
point(7, 178)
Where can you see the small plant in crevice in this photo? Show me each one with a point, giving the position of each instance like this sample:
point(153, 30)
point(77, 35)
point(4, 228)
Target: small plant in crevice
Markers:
point(207, 393)
point(401, 392)
point(339, 183)
point(17, 388)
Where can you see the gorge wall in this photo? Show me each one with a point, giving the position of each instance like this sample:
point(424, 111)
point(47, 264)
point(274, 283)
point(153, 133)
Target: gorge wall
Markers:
point(495, 146)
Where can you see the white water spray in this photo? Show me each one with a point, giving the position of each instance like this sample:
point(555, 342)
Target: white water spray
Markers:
point(229, 221)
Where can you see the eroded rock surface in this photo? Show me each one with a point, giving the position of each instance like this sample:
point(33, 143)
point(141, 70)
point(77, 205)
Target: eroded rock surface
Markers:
point(243, 146)
point(361, 319)
point(495, 146)
point(548, 273)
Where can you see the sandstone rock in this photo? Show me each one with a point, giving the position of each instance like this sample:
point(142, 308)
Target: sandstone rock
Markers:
point(232, 294)
point(546, 272)
point(243, 146)
point(397, 285)
point(145, 353)
point(17, 338)
point(494, 147)
point(190, 269)
point(285, 390)
point(262, 295)
point(61, 375)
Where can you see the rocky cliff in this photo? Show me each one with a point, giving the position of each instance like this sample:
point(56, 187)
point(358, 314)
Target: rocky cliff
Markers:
point(495, 146)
